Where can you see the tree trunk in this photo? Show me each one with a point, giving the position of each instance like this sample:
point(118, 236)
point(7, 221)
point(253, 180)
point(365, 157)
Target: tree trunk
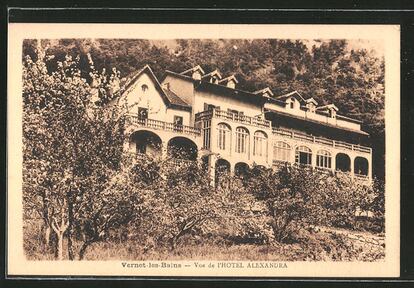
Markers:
point(47, 235)
point(70, 229)
point(83, 250)
point(60, 231)
point(60, 245)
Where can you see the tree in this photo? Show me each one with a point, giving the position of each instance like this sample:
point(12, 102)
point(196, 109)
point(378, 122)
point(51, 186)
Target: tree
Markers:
point(72, 151)
point(184, 202)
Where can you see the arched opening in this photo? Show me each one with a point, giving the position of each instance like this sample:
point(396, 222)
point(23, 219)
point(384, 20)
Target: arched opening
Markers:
point(260, 144)
point(241, 169)
point(145, 142)
point(182, 148)
point(343, 162)
point(303, 155)
point(361, 166)
point(242, 141)
point(281, 151)
point(223, 137)
point(222, 168)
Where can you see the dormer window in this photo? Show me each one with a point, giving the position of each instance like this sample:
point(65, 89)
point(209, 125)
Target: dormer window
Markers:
point(292, 103)
point(144, 88)
point(266, 92)
point(329, 109)
point(231, 84)
point(214, 80)
point(311, 105)
point(230, 81)
point(311, 108)
point(212, 77)
point(196, 72)
point(196, 75)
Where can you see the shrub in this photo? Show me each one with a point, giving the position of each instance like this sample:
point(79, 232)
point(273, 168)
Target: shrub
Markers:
point(299, 197)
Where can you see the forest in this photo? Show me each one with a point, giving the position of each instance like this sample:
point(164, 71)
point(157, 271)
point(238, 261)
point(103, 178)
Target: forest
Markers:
point(330, 71)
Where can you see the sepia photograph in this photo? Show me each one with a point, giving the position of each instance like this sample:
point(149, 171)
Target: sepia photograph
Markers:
point(215, 152)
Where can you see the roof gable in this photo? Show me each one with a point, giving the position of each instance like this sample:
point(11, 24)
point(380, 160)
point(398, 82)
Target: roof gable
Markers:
point(193, 69)
point(170, 99)
point(328, 107)
point(228, 79)
point(311, 100)
point(266, 92)
point(214, 73)
point(294, 94)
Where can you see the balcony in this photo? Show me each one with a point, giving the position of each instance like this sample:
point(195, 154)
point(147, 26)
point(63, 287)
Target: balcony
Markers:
point(221, 114)
point(320, 140)
point(167, 161)
point(165, 126)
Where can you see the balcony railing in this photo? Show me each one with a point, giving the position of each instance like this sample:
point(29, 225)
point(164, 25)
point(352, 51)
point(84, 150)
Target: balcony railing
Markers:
point(332, 171)
point(320, 140)
point(174, 161)
point(166, 126)
point(234, 117)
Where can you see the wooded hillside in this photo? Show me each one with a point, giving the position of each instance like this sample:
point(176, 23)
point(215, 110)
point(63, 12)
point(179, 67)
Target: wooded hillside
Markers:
point(329, 71)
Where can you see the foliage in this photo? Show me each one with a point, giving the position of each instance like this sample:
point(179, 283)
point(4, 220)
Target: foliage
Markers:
point(298, 198)
point(72, 152)
point(78, 181)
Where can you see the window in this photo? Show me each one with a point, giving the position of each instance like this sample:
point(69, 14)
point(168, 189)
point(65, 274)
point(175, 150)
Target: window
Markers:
point(311, 107)
point(292, 105)
point(323, 159)
point(281, 151)
point(144, 88)
point(142, 113)
point(260, 144)
point(206, 128)
point(178, 123)
point(178, 120)
point(208, 107)
point(214, 80)
point(223, 136)
point(242, 140)
point(303, 155)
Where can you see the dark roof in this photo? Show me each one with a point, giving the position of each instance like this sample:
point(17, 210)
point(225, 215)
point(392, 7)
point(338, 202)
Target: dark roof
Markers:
point(184, 77)
point(170, 98)
point(235, 93)
point(222, 89)
point(317, 122)
point(252, 96)
point(348, 119)
point(174, 98)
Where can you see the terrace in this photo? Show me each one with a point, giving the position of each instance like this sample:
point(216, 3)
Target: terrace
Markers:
point(320, 140)
point(225, 115)
point(164, 126)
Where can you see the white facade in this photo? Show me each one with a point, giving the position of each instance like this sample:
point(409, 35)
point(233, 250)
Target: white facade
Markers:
point(227, 127)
